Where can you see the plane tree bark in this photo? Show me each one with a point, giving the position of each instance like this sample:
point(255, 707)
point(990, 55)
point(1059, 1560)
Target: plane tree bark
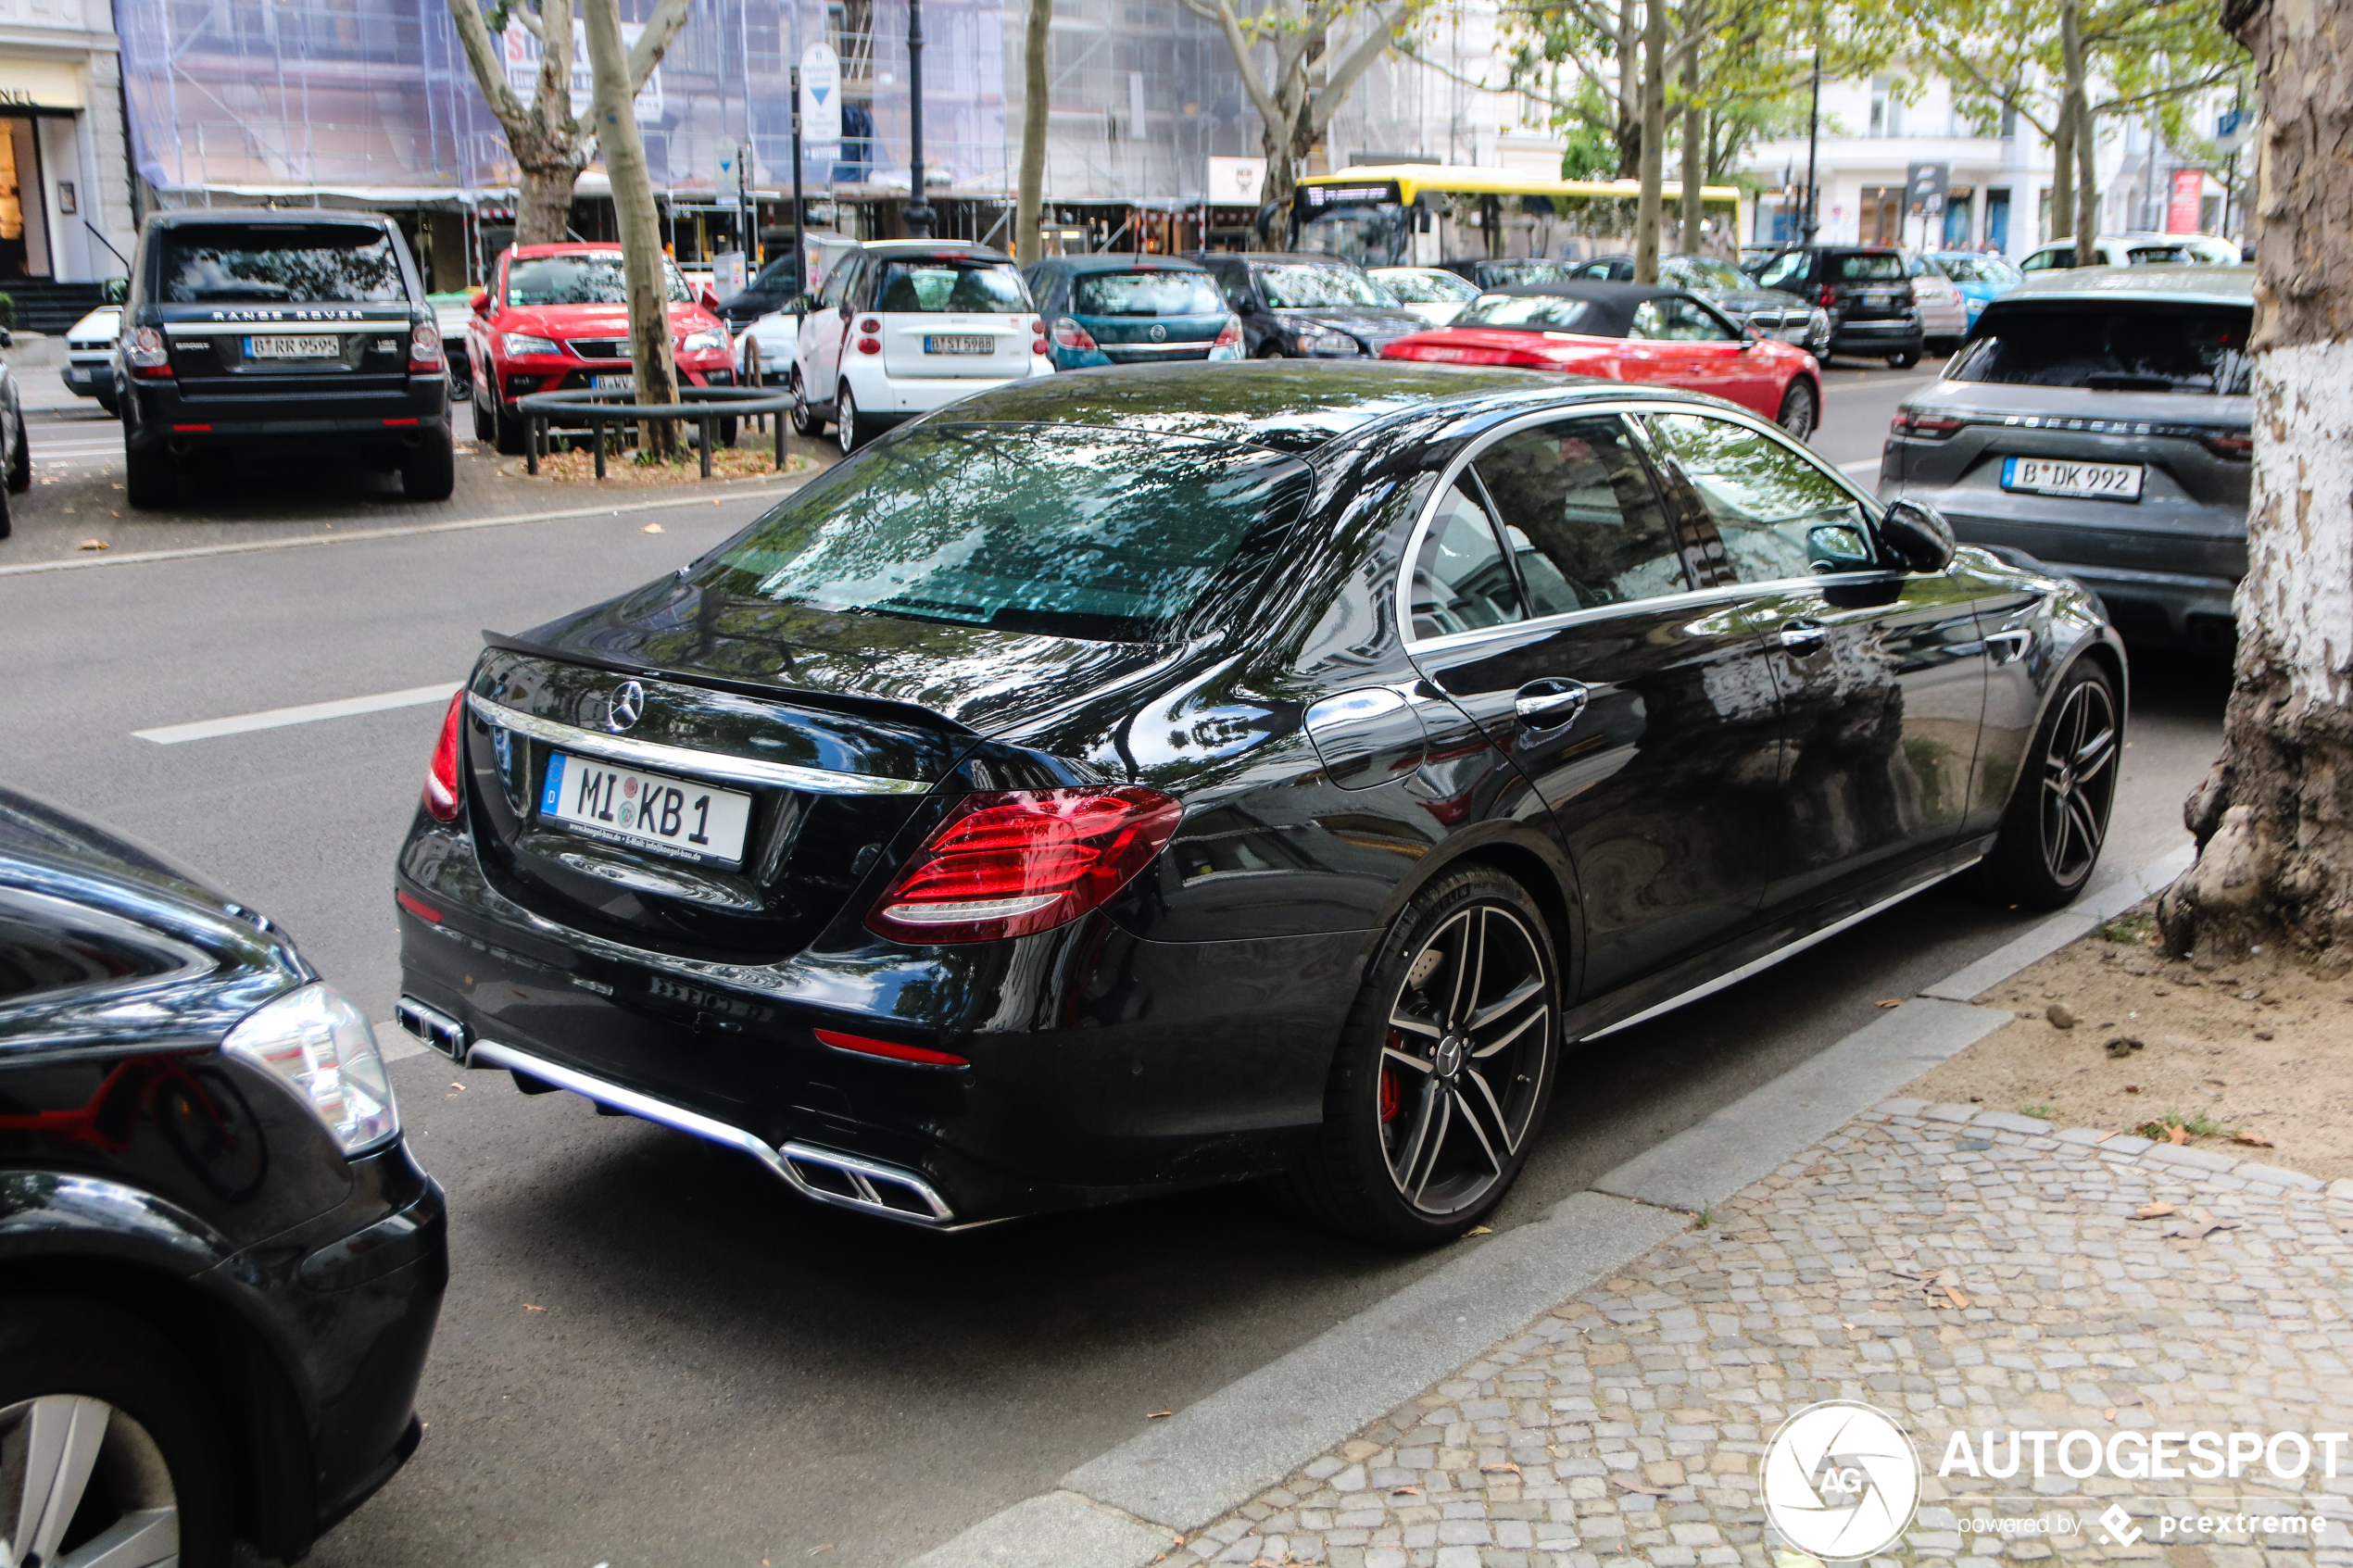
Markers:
point(610, 104)
point(1293, 109)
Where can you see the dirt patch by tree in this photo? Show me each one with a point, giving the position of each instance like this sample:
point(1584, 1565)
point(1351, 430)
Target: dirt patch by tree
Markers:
point(2113, 1034)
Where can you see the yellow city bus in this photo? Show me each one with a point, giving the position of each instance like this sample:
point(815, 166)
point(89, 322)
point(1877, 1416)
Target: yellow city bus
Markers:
point(1424, 214)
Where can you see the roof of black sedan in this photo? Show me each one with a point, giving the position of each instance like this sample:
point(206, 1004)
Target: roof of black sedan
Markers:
point(1287, 405)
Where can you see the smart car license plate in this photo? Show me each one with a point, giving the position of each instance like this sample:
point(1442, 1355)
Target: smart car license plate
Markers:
point(671, 815)
point(948, 344)
point(294, 347)
point(2050, 476)
point(615, 384)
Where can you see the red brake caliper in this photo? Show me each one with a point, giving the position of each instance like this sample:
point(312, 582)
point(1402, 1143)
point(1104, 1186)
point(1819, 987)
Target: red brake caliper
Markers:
point(1390, 1093)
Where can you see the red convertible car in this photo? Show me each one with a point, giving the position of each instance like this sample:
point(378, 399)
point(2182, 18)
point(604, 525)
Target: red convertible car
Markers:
point(557, 316)
point(1627, 332)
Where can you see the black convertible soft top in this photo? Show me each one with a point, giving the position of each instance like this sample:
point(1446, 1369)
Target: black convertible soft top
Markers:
point(1612, 312)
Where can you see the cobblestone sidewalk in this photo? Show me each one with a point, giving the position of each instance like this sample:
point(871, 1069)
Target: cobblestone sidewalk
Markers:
point(1626, 1428)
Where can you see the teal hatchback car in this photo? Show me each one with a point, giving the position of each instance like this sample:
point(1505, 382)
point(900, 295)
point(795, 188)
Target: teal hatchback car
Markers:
point(1982, 279)
point(1126, 309)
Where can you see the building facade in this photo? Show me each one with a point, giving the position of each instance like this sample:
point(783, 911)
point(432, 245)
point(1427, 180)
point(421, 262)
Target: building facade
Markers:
point(66, 212)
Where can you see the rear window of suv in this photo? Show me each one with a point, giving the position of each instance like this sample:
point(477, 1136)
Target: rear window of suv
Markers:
point(2112, 347)
point(265, 263)
point(1866, 267)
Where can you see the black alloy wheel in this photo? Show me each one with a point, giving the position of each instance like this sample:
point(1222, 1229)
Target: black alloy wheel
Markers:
point(1445, 1070)
point(1904, 360)
point(20, 466)
point(1798, 412)
point(430, 472)
point(2058, 817)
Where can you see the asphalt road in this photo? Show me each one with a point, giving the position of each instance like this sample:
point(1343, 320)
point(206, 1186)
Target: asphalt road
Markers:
point(650, 1353)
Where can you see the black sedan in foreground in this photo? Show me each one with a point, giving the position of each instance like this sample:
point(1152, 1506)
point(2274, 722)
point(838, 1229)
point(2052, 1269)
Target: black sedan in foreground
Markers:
point(1113, 783)
point(219, 1266)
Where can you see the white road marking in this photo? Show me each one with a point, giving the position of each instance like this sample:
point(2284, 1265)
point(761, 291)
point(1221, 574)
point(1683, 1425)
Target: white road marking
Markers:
point(310, 712)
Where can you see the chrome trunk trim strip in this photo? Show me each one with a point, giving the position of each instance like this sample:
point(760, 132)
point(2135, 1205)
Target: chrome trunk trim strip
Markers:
point(685, 760)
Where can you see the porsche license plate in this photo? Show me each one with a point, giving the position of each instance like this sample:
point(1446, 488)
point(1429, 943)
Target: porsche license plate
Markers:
point(2051, 476)
point(671, 815)
point(294, 347)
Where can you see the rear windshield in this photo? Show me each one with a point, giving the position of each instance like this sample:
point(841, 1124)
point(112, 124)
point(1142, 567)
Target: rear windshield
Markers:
point(1425, 288)
point(919, 287)
point(2154, 347)
point(1700, 272)
point(1854, 268)
point(1978, 269)
point(1531, 270)
point(1547, 312)
point(1066, 531)
point(321, 264)
point(593, 279)
point(1147, 293)
point(1305, 286)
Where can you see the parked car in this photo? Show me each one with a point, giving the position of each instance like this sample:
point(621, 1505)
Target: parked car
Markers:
point(453, 312)
point(279, 330)
point(2138, 250)
point(1112, 310)
point(1501, 272)
point(1982, 279)
point(220, 1267)
point(1944, 313)
point(1630, 332)
point(1298, 305)
point(1866, 289)
point(2100, 421)
point(90, 345)
point(907, 326)
point(774, 338)
point(556, 316)
point(1763, 313)
point(770, 289)
point(1431, 292)
point(16, 451)
point(1208, 773)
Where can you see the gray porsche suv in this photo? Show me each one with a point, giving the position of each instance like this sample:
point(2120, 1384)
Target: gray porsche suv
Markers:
point(2099, 420)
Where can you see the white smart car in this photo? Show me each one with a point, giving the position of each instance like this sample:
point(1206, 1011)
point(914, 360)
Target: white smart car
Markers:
point(906, 326)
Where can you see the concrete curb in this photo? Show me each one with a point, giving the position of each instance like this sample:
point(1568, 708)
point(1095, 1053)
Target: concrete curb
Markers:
point(1215, 1455)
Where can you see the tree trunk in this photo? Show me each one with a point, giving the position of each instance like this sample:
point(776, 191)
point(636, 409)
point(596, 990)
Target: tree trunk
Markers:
point(2075, 111)
point(544, 215)
point(1029, 245)
point(1646, 211)
point(1629, 88)
point(614, 114)
point(2062, 172)
point(1694, 148)
point(2272, 820)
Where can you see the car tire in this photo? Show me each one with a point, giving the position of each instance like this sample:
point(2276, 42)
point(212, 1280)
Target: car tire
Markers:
point(430, 472)
point(20, 466)
point(726, 433)
point(2058, 818)
point(853, 429)
point(162, 1465)
point(507, 431)
point(1904, 360)
point(1407, 1071)
point(1800, 409)
point(7, 522)
point(485, 422)
point(805, 421)
point(149, 480)
point(1269, 350)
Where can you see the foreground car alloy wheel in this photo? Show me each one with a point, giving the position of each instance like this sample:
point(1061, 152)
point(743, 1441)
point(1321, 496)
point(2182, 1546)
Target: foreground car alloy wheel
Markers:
point(2079, 781)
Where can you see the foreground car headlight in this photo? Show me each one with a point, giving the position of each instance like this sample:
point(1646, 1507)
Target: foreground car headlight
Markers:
point(513, 343)
point(1313, 342)
point(711, 342)
point(321, 1046)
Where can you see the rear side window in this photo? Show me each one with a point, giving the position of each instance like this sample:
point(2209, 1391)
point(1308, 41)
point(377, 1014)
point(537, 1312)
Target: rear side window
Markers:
point(1146, 294)
point(265, 263)
point(1061, 530)
point(1864, 266)
point(924, 287)
point(1584, 524)
point(1782, 271)
point(2152, 347)
point(1462, 582)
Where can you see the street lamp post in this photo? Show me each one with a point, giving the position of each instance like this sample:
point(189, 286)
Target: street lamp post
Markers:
point(918, 212)
point(1812, 220)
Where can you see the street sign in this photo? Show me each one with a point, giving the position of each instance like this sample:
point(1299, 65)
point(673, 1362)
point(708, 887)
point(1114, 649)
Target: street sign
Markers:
point(1924, 188)
point(2232, 130)
point(820, 97)
point(1236, 181)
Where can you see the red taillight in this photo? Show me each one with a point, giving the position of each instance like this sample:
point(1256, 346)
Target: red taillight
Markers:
point(1070, 334)
point(148, 354)
point(1230, 336)
point(870, 325)
point(870, 345)
point(1040, 347)
point(441, 779)
point(2237, 443)
point(1006, 864)
point(890, 1049)
point(1829, 297)
point(1923, 427)
point(416, 907)
point(424, 347)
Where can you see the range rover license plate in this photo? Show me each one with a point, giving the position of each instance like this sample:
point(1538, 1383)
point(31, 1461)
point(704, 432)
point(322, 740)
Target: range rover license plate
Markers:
point(671, 816)
point(2051, 476)
point(294, 347)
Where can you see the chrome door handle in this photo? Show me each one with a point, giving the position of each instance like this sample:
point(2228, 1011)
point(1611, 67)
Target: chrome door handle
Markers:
point(1803, 636)
point(1550, 705)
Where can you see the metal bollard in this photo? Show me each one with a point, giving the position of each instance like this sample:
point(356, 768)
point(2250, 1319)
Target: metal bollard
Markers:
point(533, 431)
point(707, 432)
point(596, 434)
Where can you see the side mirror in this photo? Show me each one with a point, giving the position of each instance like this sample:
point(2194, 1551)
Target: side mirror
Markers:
point(846, 311)
point(480, 304)
point(1918, 535)
point(117, 291)
point(710, 301)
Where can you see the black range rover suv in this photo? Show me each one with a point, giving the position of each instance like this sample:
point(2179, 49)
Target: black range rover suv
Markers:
point(248, 328)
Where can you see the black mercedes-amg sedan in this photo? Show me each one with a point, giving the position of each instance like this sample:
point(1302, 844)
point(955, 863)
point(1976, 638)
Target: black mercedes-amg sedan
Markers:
point(1119, 781)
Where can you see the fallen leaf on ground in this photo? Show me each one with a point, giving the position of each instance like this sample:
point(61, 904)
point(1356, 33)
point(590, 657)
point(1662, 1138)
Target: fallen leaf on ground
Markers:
point(2252, 1140)
point(2152, 1211)
point(1479, 1230)
point(815, 1549)
point(655, 528)
point(1959, 1300)
point(92, 544)
point(2177, 1134)
point(1156, 1415)
point(2104, 1137)
point(1405, 1491)
point(2203, 1225)
point(529, 1308)
point(2110, 1414)
point(1499, 1468)
point(1891, 1002)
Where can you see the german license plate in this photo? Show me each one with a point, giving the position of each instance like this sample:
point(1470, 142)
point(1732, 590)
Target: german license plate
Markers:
point(2051, 476)
point(669, 815)
point(615, 384)
point(938, 343)
point(294, 347)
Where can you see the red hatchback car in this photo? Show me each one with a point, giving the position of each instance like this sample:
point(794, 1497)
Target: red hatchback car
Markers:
point(557, 316)
point(1629, 331)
